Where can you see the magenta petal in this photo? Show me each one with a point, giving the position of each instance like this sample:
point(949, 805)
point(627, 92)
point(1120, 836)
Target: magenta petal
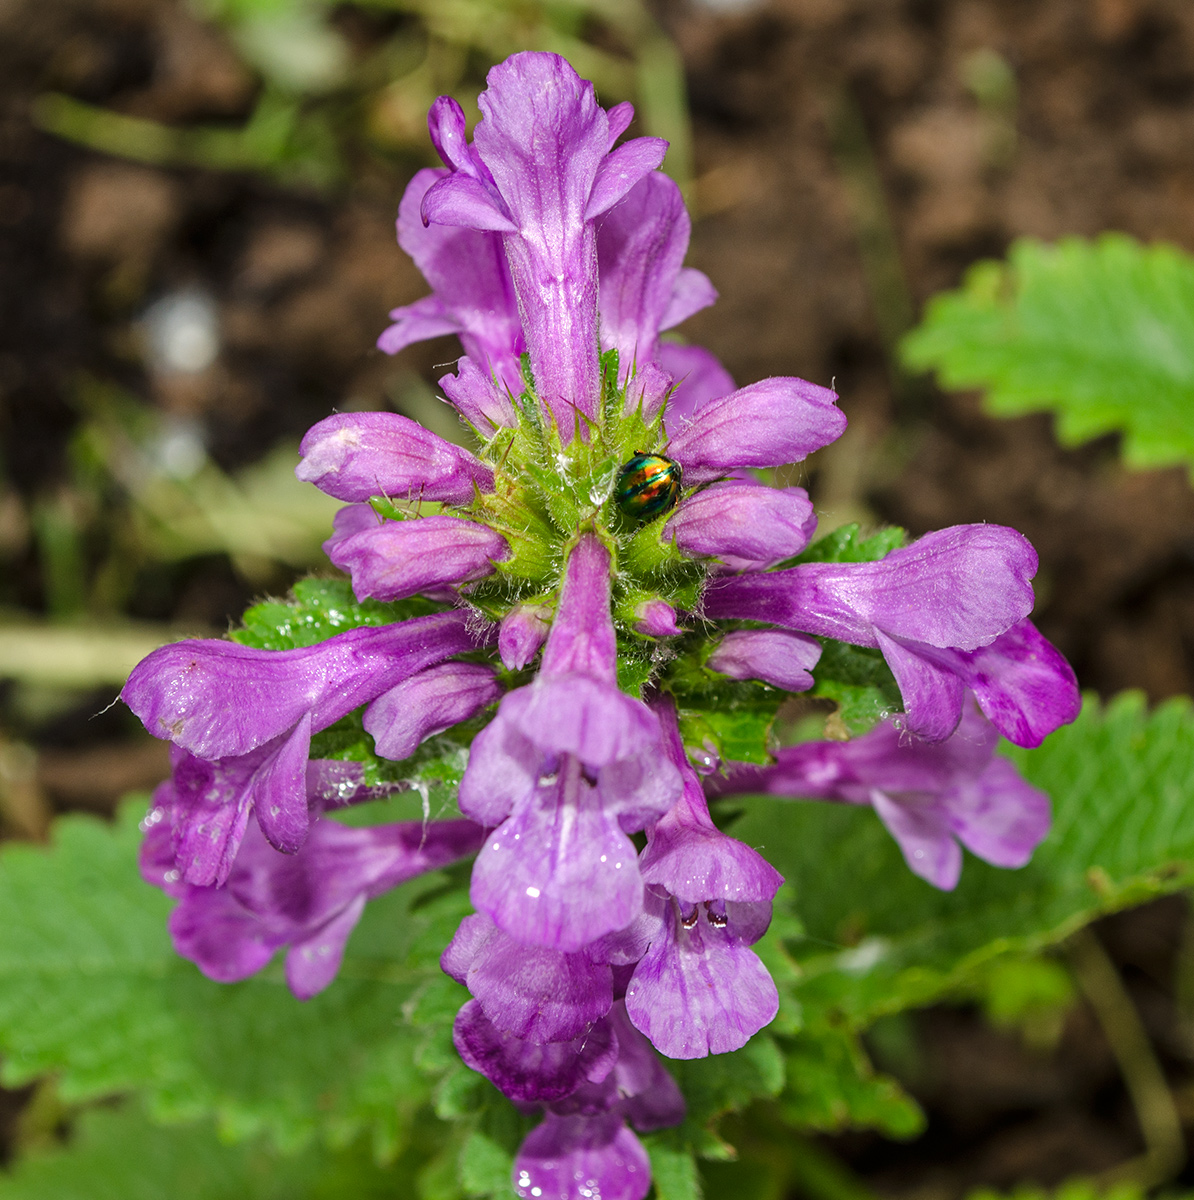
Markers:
point(699, 376)
point(582, 637)
point(219, 699)
point(620, 170)
point(700, 991)
point(353, 456)
point(582, 1158)
point(532, 1072)
point(401, 558)
point(560, 872)
point(924, 838)
point(427, 704)
point(503, 765)
point(311, 964)
point(280, 791)
point(417, 322)
point(212, 812)
point(692, 291)
point(523, 631)
point(649, 1096)
point(462, 200)
point(574, 714)
point(222, 939)
point(640, 247)
point(959, 587)
point(1023, 684)
point(767, 424)
point(999, 817)
point(932, 695)
point(537, 994)
point(774, 656)
point(483, 401)
point(744, 524)
point(543, 138)
point(656, 618)
point(619, 118)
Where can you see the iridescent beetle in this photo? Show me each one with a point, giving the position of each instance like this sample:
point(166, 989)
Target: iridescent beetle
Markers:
point(648, 485)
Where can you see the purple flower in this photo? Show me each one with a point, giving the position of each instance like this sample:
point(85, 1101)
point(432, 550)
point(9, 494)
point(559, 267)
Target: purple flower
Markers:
point(931, 796)
point(247, 716)
point(568, 766)
point(523, 630)
point(353, 456)
point(582, 1156)
point(655, 618)
point(775, 656)
point(699, 378)
point(767, 424)
point(389, 560)
point(643, 286)
point(533, 1072)
point(427, 704)
point(541, 170)
point(583, 1148)
point(483, 402)
point(947, 612)
point(746, 525)
point(530, 992)
point(699, 989)
point(473, 293)
point(309, 901)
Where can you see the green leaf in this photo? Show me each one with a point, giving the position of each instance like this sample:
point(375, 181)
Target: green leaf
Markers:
point(832, 1086)
point(90, 988)
point(117, 1154)
point(845, 544)
point(673, 1169)
point(879, 939)
point(1100, 333)
point(318, 609)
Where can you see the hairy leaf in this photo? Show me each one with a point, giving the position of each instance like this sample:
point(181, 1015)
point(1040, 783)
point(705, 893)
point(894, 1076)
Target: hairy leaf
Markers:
point(1100, 333)
point(91, 988)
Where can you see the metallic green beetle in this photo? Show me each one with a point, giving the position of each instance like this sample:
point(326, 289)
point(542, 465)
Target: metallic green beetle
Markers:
point(648, 485)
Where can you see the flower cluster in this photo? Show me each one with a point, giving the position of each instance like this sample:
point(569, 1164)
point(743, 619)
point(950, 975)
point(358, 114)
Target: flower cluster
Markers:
point(556, 255)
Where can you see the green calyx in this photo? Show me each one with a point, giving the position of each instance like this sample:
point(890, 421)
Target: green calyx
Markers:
point(547, 492)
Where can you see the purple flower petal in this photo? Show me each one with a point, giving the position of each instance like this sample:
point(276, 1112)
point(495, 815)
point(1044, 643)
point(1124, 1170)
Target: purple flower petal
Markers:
point(699, 376)
point(959, 587)
point(1022, 683)
point(999, 817)
point(656, 618)
point(640, 248)
point(559, 872)
point(532, 1072)
point(648, 1095)
point(932, 695)
point(746, 525)
point(531, 992)
point(767, 424)
point(280, 790)
point(621, 170)
point(482, 401)
point(582, 638)
point(427, 704)
point(401, 558)
point(467, 269)
point(687, 854)
point(692, 291)
point(523, 631)
point(503, 766)
point(582, 1157)
point(218, 699)
point(309, 900)
point(465, 201)
point(775, 656)
point(313, 963)
point(417, 322)
point(353, 456)
point(700, 990)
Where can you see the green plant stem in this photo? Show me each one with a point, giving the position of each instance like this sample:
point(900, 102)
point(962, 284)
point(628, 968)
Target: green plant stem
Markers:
point(1142, 1075)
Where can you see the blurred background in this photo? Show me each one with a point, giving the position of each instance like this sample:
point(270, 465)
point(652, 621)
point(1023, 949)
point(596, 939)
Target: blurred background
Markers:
point(197, 254)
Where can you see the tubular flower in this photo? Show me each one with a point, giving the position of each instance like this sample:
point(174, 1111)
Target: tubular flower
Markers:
point(563, 617)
